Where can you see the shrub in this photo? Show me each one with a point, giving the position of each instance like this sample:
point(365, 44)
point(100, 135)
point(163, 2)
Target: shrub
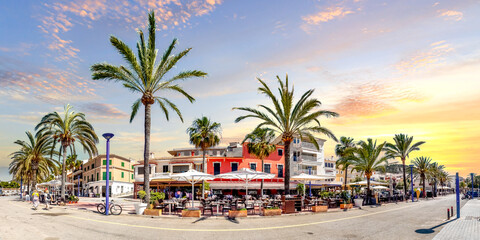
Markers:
point(142, 194)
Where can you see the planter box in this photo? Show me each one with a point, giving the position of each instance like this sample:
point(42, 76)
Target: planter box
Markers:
point(140, 208)
point(346, 206)
point(239, 213)
point(271, 212)
point(319, 208)
point(191, 213)
point(153, 212)
point(358, 202)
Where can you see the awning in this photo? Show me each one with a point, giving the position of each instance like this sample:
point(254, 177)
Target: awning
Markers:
point(251, 185)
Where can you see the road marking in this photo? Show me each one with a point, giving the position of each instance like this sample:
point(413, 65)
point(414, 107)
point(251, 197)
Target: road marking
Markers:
point(236, 229)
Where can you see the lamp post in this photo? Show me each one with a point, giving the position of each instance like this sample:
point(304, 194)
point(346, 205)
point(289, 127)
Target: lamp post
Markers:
point(310, 182)
point(471, 178)
point(457, 193)
point(107, 136)
point(411, 180)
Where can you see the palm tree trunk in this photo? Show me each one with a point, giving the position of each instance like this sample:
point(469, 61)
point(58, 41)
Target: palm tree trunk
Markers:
point(28, 187)
point(404, 180)
point(345, 187)
point(35, 169)
point(261, 183)
point(424, 190)
point(64, 172)
point(368, 187)
point(287, 168)
point(146, 153)
point(204, 166)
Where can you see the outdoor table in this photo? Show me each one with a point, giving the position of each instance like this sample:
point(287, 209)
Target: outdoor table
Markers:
point(170, 203)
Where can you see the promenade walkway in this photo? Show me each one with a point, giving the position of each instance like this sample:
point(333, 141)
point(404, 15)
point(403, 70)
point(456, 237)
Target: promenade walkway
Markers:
point(466, 227)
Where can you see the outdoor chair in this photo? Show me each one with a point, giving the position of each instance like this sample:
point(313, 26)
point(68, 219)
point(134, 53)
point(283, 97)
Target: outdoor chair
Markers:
point(249, 205)
point(332, 203)
point(226, 207)
point(307, 204)
point(206, 206)
point(181, 205)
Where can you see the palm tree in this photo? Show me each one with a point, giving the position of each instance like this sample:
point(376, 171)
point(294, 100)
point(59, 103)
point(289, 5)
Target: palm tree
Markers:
point(146, 76)
point(367, 159)
point(344, 150)
point(434, 175)
point(68, 129)
point(289, 118)
point(72, 164)
point(34, 155)
point(422, 168)
point(204, 134)
point(259, 145)
point(401, 149)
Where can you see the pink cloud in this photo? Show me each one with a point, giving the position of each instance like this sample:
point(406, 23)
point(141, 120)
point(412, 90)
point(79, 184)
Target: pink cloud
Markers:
point(451, 15)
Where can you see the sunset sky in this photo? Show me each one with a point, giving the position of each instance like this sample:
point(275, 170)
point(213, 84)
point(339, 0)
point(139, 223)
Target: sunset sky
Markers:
point(386, 67)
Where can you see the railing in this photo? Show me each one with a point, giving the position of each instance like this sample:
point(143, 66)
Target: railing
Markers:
point(307, 171)
point(310, 146)
point(308, 158)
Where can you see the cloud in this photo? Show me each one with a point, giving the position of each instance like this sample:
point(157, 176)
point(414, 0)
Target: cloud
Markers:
point(423, 59)
point(103, 111)
point(329, 14)
point(451, 15)
point(61, 17)
point(373, 98)
point(45, 84)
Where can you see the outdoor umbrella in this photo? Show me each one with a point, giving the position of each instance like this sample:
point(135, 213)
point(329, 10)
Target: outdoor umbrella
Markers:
point(303, 177)
point(364, 182)
point(380, 187)
point(192, 176)
point(247, 175)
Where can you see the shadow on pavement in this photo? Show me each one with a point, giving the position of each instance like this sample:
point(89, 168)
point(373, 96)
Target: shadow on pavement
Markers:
point(430, 230)
point(200, 219)
point(233, 220)
point(50, 214)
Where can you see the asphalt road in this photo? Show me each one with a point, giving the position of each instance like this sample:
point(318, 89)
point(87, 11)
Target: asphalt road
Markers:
point(419, 220)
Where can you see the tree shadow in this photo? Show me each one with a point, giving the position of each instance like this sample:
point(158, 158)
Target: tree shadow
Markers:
point(51, 214)
point(431, 230)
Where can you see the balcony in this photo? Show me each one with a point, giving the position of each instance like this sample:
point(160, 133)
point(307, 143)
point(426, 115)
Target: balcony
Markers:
point(309, 145)
point(307, 171)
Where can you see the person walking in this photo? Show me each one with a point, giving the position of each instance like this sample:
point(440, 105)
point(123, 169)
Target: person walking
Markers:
point(35, 199)
point(48, 199)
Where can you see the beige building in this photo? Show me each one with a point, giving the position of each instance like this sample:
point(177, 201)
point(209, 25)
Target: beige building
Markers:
point(121, 175)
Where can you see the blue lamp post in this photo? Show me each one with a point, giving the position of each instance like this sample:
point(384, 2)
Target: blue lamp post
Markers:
point(457, 193)
point(107, 136)
point(310, 182)
point(471, 178)
point(411, 180)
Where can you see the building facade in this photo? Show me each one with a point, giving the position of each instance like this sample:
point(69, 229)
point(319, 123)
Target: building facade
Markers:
point(121, 176)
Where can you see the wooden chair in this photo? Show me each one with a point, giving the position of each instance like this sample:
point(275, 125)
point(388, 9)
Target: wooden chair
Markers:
point(206, 206)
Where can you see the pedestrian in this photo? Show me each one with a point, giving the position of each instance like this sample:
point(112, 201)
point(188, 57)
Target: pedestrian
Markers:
point(48, 199)
point(27, 196)
point(35, 199)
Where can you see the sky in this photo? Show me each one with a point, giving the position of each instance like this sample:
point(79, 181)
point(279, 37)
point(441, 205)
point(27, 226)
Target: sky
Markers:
point(386, 67)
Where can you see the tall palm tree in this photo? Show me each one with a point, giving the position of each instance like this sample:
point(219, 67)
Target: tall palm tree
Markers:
point(67, 129)
point(434, 175)
point(401, 149)
point(344, 150)
point(259, 145)
point(422, 168)
point(289, 118)
point(19, 167)
point(204, 134)
point(36, 154)
point(367, 159)
point(146, 76)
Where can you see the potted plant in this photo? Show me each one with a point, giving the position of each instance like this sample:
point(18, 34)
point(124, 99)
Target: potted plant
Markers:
point(155, 198)
point(140, 207)
point(271, 211)
point(237, 213)
point(345, 195)
point(191, 212)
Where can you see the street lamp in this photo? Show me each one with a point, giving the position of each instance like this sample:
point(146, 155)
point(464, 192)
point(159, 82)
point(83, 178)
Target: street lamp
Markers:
point(411, 179)
point(107, 136)
point(471, 178)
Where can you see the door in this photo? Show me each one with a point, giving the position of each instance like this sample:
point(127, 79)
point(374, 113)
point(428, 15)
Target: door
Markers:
point(216, 168)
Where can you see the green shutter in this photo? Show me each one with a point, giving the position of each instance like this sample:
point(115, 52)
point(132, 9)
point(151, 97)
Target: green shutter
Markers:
point(123, 175)
point(123, 164)
point(132, 176)
point(110, 162)
point(132, 167)
point(104, 162)
point(109, 176)
point(104, 176)
point(98, 176)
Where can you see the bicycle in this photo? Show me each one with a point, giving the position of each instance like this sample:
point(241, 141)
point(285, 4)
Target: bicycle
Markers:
point(115, 209)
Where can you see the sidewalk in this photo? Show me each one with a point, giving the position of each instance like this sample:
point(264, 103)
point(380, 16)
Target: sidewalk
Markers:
point(466, 227)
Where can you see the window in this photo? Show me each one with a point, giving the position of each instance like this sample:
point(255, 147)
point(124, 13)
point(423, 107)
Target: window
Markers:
point(133, 167)
point(132, 176)
point(267, 168)
point(141, 170)
point(280, 171)
point(123, 164)
point(123, 175)
point(109, 162)
point(253, 166)
point(294, 156)
point(92, 166)
point(105, 176)
point(234, 166)
point(280, 152)
point(341, 179)
point(97, 176)
point(165, 168)
point(216, 168)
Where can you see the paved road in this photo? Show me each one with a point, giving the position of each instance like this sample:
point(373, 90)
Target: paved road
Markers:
point(392, 221)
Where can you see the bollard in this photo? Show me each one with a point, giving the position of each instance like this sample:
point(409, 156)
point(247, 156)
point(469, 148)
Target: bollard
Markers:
point(448, 213)
point(451, 210)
